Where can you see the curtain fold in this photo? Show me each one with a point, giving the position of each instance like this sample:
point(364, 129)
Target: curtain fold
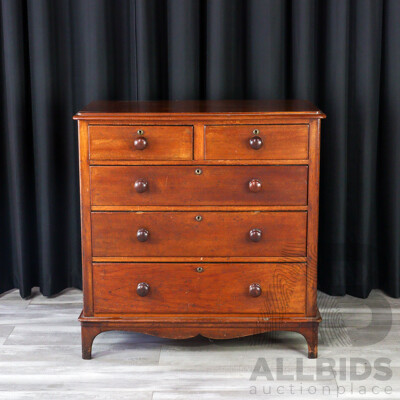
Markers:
point(56, 56)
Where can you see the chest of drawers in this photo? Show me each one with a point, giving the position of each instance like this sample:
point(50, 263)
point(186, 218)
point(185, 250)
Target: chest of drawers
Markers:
point(199, 218)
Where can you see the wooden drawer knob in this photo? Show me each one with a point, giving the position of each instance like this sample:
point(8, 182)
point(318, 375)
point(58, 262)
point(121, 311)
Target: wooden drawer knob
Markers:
point(255, 235)
point(255, 290)
point(141, 185)
point(255, 185)
point(142, 235)
point(255, 142)
point(140, 143)
point(143, 289)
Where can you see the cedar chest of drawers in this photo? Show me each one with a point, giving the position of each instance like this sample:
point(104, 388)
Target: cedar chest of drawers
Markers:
point(199, 218)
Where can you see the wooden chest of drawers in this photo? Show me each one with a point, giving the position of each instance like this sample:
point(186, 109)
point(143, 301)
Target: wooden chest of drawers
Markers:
point(199, 217)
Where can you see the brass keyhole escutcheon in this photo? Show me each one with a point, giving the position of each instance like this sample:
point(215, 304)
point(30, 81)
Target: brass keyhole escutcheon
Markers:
point(256, 131)
point(198, 218)
point(140, 132)
point(199, 269)
point(198, 171)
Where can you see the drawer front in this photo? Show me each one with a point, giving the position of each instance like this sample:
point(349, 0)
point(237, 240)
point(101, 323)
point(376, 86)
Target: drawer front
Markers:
point(215, 185)
point(156, 142)
point(273, 142)
point(219, 288)
point(199, 234)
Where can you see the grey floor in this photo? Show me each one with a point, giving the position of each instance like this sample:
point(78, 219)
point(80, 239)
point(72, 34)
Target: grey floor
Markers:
point(40, 356)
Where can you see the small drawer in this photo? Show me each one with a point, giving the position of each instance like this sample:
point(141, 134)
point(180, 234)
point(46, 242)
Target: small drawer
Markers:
point(199, 234)
point(199, 185)
point(140, 142)
point(263, 289)
point(256, 142)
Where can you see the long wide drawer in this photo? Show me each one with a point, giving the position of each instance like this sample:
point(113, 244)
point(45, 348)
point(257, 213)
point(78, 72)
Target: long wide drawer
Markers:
point(256, 142)
point(204, 185)
point(151, 143)
point(199, 288)
point(200, 234)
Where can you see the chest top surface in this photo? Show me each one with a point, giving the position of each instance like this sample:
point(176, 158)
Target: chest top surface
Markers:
point(299, 108)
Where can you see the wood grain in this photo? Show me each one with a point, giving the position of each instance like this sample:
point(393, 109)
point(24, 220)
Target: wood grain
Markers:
point(199, 163)
point(199, 208)
point(279, 142)
point(201, 259)
point(86, 229)
point(179, 288)
point(198, 132)
point(218, 234)
point(163, 142)
point(216, 185)
point(312, 225)
point(203, 108)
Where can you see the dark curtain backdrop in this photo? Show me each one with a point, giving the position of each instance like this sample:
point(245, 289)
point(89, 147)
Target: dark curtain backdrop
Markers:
point(58, 55)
